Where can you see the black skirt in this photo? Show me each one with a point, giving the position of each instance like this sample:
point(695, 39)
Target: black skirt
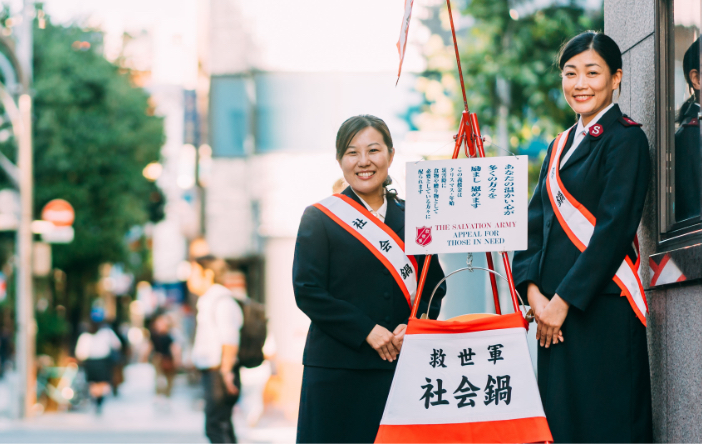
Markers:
point(342, 405)
point(98, 370)
point(595, 386)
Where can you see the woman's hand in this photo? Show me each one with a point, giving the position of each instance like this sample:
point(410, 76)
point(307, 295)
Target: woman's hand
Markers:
point(538, 303)
point(550, 321)
point(381, 340)
point(399, 336)
point(228, 378)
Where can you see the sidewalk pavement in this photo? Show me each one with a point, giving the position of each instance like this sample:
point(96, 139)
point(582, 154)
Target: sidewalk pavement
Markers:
point(137, 415)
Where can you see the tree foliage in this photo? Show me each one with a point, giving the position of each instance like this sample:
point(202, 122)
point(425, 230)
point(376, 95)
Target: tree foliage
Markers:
point(93, 133)
point(513, 51)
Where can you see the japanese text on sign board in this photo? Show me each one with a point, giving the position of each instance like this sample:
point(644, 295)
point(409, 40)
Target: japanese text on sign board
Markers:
point(489, 216)
point(496, 389)
point(453, 378)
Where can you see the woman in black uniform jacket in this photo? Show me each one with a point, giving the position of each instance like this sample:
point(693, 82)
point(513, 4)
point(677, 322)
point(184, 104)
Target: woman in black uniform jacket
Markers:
point(593, 369)
point(687, 142)
point(358, 311)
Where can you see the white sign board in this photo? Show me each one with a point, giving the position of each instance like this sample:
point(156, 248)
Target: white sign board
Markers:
point(58, 235)
point(466, 205)
point(463, 378)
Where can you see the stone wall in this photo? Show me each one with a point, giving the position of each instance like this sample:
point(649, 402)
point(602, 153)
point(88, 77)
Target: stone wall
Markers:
point(675, 318)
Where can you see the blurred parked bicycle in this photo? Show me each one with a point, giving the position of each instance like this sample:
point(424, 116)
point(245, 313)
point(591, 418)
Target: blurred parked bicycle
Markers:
point(61, 387)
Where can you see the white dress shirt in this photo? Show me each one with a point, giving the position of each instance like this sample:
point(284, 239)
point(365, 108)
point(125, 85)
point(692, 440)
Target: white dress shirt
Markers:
point(98, 345)
point(219, 320)
point(382, 211)
point(580, 133)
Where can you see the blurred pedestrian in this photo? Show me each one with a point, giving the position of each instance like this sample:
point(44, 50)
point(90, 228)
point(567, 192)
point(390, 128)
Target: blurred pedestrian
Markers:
point(120, 358)
point(96, 349)
point(357, 297)
point(5, 348)
point(339, 185)
point(165, 354)
point(219, 320)
point(688, 195)
point(254, 379)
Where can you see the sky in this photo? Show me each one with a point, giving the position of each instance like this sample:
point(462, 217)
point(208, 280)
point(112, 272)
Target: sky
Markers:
point(687, 12)
point(301, 35)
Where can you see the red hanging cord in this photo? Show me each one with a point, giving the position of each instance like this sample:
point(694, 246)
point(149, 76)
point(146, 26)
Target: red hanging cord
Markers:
point(458, 57)
point(474, 142)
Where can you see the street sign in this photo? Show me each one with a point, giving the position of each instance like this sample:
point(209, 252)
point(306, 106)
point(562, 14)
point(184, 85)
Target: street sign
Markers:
point(9, 210)
point(58, 235)
point(59, 212)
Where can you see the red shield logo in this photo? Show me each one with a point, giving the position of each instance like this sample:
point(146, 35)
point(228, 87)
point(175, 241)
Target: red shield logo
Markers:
point(596, 130)
point(423, 236)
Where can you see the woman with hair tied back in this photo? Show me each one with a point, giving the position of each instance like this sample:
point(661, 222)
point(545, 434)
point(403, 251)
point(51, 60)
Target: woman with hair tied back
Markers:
point(580, 271)
point(688, 197)
point(353, 280)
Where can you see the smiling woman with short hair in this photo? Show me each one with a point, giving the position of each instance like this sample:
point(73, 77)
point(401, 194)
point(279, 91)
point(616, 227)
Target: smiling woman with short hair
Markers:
point(353, 280)
point(580, 271)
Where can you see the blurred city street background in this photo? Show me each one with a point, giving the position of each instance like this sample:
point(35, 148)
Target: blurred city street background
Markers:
point(164, 130)
point(136, 416)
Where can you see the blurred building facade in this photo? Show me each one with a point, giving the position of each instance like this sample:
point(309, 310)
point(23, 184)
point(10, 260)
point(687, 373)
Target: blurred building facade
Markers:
point(272, 130)
point(163, 58)
point(277, 96)
point(251, 106)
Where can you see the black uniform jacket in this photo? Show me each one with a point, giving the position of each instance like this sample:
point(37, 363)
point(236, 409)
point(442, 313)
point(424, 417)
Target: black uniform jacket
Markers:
point(345, 290)
point(687, 166)
point(609, 175)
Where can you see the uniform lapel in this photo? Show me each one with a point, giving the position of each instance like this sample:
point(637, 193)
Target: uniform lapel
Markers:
point(395, 218)
point(349, 193)
point(569, 143)
point(589, 142)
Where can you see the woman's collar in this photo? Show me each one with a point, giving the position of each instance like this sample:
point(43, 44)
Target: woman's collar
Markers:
point(599, 115)
point(382, 211)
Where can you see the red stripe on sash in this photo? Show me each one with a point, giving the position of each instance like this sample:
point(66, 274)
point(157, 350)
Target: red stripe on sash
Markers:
point(382, 225)
point(585, 212)
point(573, 238)
point(370, 247)
point(627, 293)
point(591, 218)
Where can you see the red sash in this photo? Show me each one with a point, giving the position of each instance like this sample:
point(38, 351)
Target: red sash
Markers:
point(579, 225)
point(380, 240)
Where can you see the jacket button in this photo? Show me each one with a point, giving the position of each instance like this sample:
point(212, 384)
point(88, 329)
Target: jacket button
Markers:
point(387, 318)
point(386, 295)
point(385, 271)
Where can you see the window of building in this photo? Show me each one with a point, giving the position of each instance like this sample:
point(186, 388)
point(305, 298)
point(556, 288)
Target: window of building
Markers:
point(679, 249)
point(230, 116)
point(679, 117)
point(296, 112)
